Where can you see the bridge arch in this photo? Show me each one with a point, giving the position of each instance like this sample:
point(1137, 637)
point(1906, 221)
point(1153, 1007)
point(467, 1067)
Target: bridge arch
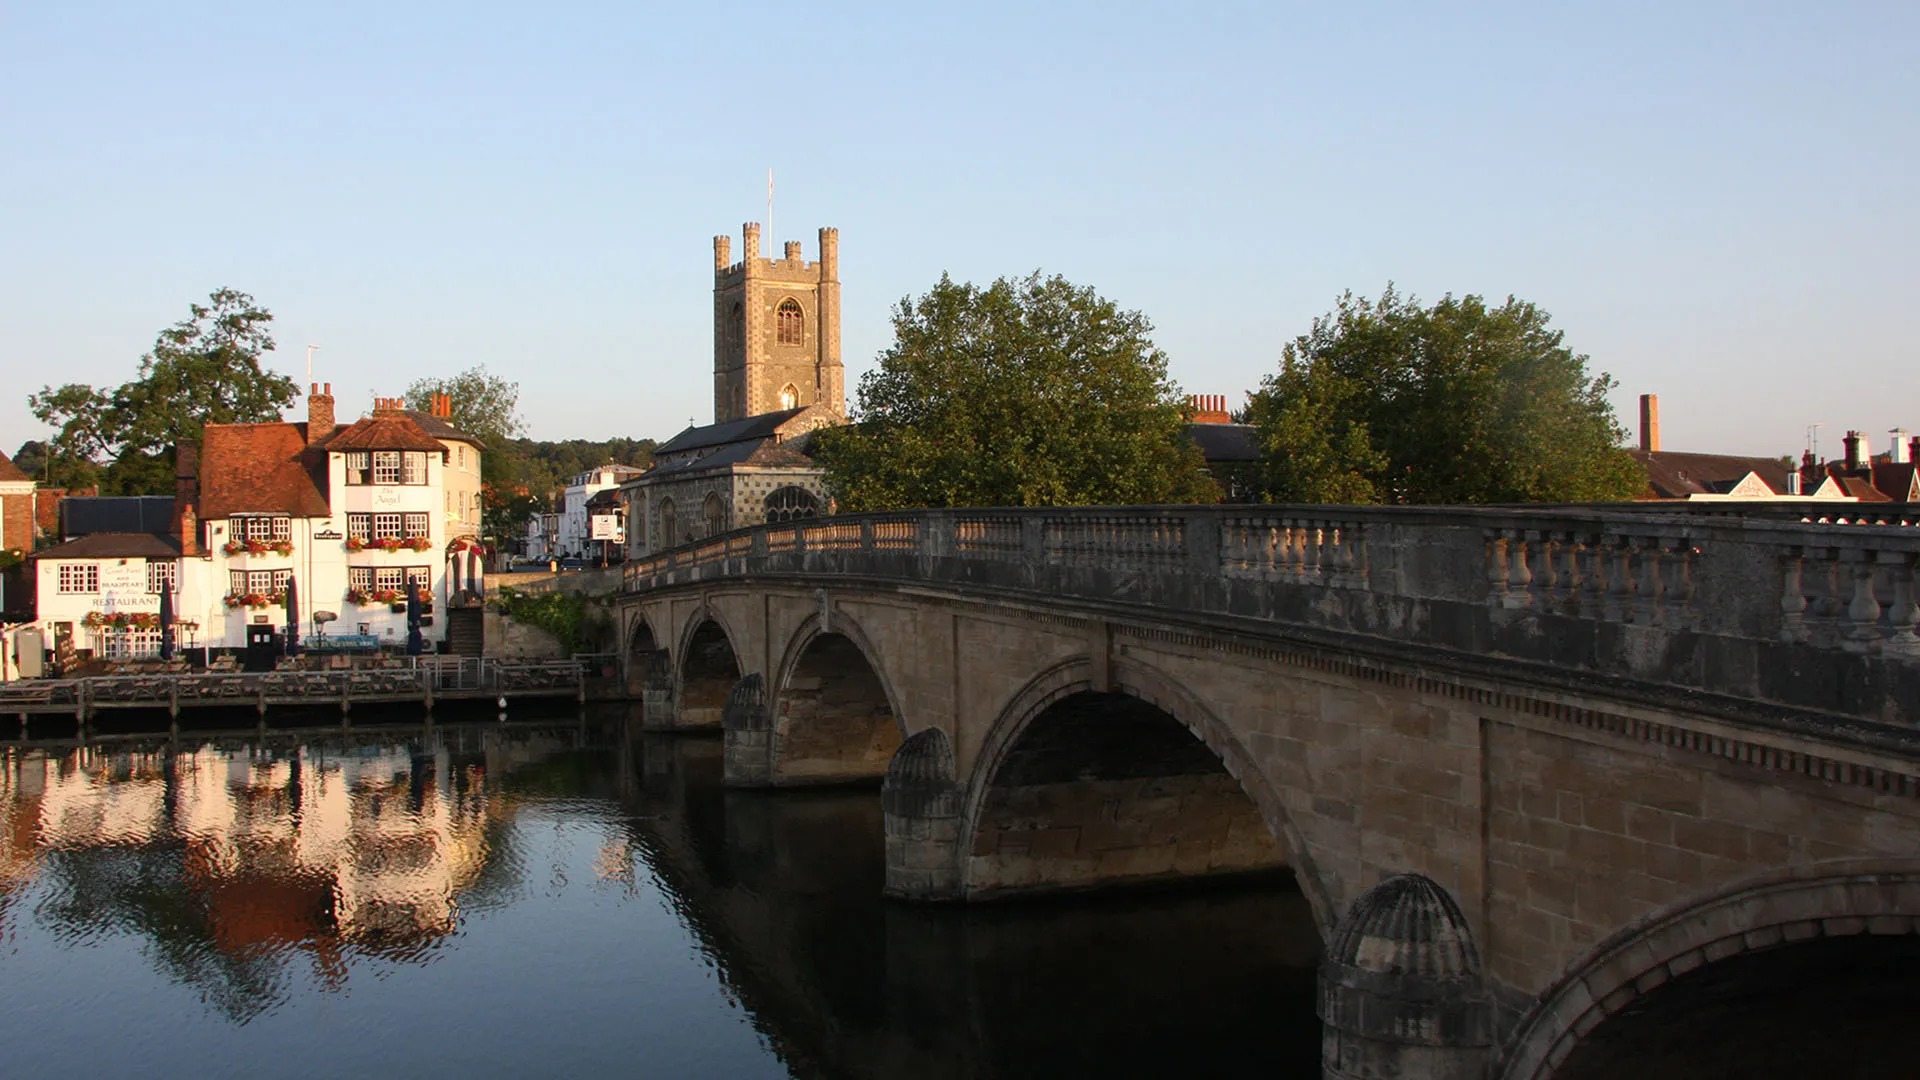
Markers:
point(647, 661)
point(836, 717)
point(707, 664)
point(1779, 911)
point(1164, 715)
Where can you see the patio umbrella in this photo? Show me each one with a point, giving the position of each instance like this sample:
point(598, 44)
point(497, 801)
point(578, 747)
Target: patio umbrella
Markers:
point(414, 645)
point(293, 617)
point(166, 624)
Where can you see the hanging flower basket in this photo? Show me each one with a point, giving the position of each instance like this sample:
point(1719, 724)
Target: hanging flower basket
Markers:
point(375, 596)
point(258, 547)
point(464, 544)
point(257, 600)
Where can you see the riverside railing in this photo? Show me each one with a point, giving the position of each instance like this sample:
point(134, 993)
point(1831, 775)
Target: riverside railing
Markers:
point(1808, 605)
point(424, 679)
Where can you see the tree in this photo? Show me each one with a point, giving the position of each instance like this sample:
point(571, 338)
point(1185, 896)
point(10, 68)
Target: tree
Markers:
point(484, 405)
point(203, 370)
point(1458, 403)
point(43, 462)
point(1034, 392)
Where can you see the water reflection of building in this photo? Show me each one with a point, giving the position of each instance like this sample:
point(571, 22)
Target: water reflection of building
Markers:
point(321, 851)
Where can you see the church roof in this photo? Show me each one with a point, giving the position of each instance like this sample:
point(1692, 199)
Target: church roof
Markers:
point(732, 431)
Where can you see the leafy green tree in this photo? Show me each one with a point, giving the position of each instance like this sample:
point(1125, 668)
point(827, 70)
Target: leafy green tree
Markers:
point(484, 405)
point(1389, 401)
point(45, 463)
point(1034, 392)
point(203, 370)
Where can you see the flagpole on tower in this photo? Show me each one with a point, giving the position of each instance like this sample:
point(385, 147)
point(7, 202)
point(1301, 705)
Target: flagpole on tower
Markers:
point(773, 238)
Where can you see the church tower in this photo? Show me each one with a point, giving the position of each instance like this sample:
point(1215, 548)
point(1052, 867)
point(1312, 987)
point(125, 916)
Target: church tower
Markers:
point(776, 328)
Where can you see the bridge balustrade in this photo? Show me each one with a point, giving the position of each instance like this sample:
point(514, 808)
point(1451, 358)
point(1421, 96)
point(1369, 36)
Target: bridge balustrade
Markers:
point(1726, 599)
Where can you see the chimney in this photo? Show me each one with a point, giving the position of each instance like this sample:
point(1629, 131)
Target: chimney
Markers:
point(1913, 449)
point(1858, 450)
point(186, 496)
point(1793, 483)
point(1208, 408)
point(1650, 423)
point(1898, 449)
point(385, 406)
point(319, 412)
point(442, 405)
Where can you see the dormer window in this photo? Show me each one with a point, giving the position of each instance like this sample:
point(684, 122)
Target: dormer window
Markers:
point(386, 467)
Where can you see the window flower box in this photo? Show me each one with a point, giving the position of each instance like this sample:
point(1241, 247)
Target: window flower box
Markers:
point(122, 620)
point(256, 600)
point(258, 547)
point(375, 596)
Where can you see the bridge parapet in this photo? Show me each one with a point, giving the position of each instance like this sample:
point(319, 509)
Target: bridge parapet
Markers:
point(1759, 605)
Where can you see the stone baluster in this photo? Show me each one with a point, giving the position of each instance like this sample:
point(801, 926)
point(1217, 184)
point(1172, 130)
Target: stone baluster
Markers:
point(1620, 579)
point(1296, 549)
point(1357, 555)
point(1646, 593)
point(1905, 610)
point(1311, 551)
point(1593, 579)
point(1793, 597)
point(1863, 613)
point(1546, 577)
point(1519, 574)
point(1272, 551)
point(1496, 569)
point(1678, 574)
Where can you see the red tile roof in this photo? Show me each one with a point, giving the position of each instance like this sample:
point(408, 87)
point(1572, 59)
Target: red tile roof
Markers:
point(261, 469)
point(383, 431)
point(11, 472)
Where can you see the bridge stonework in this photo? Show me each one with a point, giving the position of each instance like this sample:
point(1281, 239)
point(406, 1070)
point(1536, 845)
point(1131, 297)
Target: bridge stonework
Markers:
point(1097, 698)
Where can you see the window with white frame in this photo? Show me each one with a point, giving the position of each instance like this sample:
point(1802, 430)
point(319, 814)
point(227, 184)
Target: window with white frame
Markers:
point(417, 525)
point(387, 526)
point(242, 582)
point(128, 644)
point(162, 575)
point(360, 578)
point(413, 467)
point(386, 466)
point(359, 466)
point(79, 578)
point(261, 527)
point(360, 526)
point(387, 577)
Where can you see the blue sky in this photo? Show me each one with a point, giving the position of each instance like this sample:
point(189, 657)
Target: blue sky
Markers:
point(1714, 200)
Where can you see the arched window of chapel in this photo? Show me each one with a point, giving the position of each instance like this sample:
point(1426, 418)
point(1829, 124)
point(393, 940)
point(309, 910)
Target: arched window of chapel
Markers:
point(790, 323)
point(789, 396)
point(715, 511)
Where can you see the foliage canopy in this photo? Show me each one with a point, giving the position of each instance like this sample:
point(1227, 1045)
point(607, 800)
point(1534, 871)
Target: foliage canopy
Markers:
point(1389, 401)
point(203, 370)
point(1034, 392)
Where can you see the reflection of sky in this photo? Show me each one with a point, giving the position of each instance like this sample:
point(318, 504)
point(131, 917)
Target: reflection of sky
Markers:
point(173, 903)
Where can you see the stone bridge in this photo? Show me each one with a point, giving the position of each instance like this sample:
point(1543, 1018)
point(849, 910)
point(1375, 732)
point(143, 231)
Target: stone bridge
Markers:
point(1527, 765)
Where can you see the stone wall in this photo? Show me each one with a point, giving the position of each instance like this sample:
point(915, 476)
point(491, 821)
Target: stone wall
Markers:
point(507, 639)
point(1049, 837)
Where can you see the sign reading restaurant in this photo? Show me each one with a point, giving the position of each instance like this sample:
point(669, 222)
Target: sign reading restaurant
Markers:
point(123, 587)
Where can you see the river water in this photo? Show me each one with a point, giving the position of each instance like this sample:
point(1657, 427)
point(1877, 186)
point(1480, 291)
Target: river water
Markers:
point(573, 898)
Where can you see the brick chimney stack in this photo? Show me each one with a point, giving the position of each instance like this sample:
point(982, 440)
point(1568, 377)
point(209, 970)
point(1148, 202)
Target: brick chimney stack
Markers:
point(1859, 451)
point(1650, 423)
point(319, 412)
point(186, 497)
point(442, 406)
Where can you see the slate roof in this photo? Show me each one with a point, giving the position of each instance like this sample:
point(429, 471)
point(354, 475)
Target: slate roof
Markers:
point(261, 469)
point(80, 515)
point(114, 545)
point(1677, 475)
point(1899, 481)
point(752, 427)
point(1225, 443)
point(384, 431)
point(441, 428)
point(11, 472)
point(604, 497)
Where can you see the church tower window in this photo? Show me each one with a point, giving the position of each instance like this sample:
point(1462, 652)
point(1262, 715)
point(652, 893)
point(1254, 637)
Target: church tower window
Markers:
point(790, 323)
point(789, 396)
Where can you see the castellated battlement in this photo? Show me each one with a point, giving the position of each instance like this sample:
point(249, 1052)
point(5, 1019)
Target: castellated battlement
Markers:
point(792, 267)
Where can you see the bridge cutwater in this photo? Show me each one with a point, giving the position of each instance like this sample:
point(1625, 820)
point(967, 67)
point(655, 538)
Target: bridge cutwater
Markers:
point(1527, 764)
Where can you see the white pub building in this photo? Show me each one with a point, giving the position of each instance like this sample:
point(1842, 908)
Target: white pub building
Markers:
point(350, 516)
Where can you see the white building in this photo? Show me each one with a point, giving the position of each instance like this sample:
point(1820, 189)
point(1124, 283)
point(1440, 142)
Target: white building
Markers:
point(352, 516)
point(574, 536)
